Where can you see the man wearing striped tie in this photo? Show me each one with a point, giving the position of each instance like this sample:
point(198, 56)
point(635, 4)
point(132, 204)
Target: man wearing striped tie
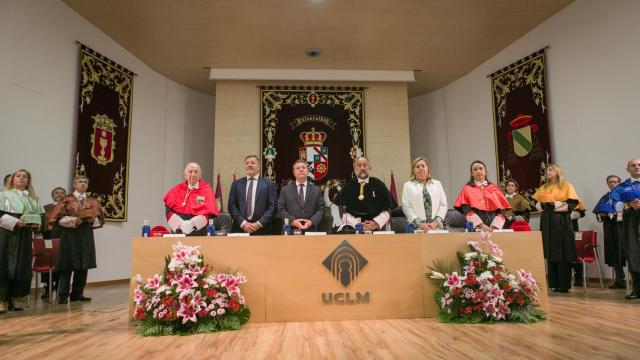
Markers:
point(252, 200)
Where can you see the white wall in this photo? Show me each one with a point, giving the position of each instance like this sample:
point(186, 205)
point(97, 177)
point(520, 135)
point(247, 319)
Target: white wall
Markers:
point(593, 94)
point(171, 124)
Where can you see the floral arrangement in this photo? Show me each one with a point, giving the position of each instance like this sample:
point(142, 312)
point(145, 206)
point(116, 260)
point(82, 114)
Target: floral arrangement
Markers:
point(189, 297)
point(480, 289)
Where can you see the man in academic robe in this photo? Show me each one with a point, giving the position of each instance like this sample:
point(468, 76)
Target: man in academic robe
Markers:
point(253, 200)
point(301, 201)
point(366, 199)
point(78, 215)
point(190, 204)
point(628, 193)
point(613, 233)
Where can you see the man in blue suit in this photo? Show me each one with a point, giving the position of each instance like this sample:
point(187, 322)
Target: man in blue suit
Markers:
point(252, 200)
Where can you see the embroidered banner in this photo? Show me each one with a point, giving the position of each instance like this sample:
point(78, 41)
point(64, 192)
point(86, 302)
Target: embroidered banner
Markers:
point(521, 122)
point(322, 125)
point(103, 131)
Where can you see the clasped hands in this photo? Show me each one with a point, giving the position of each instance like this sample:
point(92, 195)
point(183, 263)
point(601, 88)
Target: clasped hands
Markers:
point(21, 224)
point(428, 226)
point(634, 204)
point(251, 227)
point(302, 224)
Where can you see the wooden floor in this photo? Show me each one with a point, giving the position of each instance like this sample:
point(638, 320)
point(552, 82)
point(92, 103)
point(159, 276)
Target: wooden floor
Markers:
point(598, 325)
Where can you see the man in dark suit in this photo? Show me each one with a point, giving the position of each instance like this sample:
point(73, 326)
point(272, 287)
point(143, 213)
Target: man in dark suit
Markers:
point(252, 200)
point(301, 202)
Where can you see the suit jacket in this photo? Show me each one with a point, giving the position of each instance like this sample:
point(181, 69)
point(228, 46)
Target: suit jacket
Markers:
point(413, 202)
point(290, 206)
point(265, 202)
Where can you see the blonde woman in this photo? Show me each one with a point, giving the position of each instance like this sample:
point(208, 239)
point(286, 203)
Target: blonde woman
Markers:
point(557, 198)
point(20, 214)
point(424, 202)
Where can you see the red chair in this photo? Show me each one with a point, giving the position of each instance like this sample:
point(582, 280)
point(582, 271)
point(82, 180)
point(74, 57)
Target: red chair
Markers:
point(587, 251)
point(158, 231)
point(45, 255)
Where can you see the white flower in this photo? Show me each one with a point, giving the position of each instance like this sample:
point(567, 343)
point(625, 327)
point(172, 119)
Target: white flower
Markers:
point(485, 276)
point(220, 311)
point(436, 275)
point(470, 255)
point(138, 279)
point(163, 288)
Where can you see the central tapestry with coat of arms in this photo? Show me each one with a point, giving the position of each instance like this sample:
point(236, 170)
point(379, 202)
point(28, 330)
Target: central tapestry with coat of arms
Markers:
point(322, 125)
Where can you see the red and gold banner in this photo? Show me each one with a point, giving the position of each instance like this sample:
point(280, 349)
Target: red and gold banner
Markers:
point(322, 125)
point(521, 122)
point(103, 131)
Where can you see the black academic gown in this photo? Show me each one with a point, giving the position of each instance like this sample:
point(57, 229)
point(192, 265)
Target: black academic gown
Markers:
point(377, 199)
point(77, 248)
point(631, 238)
point(558, 238)
point(15, 256)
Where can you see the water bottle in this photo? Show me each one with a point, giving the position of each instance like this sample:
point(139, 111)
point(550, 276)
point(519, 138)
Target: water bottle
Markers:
point(211, 229)
point(469, 227)
point(359, 228)
point(410, 228)
point(286, 228)
point(146, 229)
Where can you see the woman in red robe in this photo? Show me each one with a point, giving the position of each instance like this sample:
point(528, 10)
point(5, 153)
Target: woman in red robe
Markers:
point(481, 201)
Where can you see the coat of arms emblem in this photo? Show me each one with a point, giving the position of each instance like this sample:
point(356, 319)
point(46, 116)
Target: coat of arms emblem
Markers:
point(102, 139)
point(316, 155)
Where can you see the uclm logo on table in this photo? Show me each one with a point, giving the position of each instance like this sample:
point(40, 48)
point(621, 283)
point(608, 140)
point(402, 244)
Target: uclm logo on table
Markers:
point(345, 264)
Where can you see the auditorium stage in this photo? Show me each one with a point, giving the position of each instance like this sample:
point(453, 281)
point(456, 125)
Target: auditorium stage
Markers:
point(598, 325)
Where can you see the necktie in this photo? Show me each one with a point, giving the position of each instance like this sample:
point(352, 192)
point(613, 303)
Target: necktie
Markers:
point(249, 198)
point(301, 193)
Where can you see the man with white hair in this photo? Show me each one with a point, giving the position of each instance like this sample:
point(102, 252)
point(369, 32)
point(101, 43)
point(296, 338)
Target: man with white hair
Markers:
point(626, 196)
point(190, 204)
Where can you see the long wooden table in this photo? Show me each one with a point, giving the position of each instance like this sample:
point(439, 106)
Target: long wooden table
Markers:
point(287, 280)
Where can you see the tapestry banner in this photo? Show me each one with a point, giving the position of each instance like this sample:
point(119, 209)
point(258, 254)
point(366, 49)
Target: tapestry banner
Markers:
point(521, 122)
point(322, 125)
point(103, 130)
